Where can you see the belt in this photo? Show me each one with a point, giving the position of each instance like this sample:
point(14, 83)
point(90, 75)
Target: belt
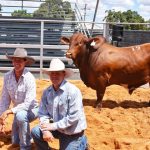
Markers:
point(75, 135)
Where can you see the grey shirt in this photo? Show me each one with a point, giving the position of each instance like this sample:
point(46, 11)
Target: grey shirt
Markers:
point(65, 107)
point(22, 93)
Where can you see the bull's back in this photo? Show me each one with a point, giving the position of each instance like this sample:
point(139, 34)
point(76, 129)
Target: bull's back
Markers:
point(136, 70)
point(127, 65)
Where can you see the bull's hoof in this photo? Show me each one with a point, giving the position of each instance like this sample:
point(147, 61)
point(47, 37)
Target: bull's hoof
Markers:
point(98, 106)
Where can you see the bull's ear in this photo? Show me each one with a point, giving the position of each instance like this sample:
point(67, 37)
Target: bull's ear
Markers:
point(65, 40)
point(95, 42)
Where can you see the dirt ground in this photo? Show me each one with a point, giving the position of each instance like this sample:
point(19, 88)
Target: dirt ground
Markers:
point(122, 124)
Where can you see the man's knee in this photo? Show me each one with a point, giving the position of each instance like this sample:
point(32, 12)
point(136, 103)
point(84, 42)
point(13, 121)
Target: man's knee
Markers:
point(35, 132)
point(84, 143)
point(21, 116)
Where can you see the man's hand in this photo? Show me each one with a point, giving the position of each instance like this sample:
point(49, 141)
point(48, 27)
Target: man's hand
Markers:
point(2, 125)
point(46, 126)
point(2, 128)
point(5, 115)
point(3, 118)
point(47, 136)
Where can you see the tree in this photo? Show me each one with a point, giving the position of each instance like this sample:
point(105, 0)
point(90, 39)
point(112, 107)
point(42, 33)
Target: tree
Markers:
point(125, 17)
point(54, 9)
point(20, 13)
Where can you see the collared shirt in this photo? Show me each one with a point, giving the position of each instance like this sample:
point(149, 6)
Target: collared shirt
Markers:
point(22, 93)
point(65, 107)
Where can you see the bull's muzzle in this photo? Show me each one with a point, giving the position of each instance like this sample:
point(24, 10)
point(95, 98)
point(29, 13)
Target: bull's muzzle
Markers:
point(69, 55)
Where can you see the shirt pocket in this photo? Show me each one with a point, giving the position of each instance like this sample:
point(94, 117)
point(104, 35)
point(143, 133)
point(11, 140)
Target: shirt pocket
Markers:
point(20, 94)
point(11, 90)
point(49, 108)
point(49, 105)
point(63, 105)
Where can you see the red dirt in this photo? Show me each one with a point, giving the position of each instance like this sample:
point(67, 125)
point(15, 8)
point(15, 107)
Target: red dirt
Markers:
point(123, 123)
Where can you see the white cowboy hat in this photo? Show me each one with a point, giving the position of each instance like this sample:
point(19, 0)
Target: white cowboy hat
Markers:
point(21, 53)
point(57, 65)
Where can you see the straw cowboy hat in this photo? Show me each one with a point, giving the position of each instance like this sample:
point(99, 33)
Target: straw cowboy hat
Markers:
point(57, 65)
point(21, 53)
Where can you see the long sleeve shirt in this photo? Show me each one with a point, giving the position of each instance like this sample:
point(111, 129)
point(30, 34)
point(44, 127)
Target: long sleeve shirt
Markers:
point(65, 107)
point(22, 93)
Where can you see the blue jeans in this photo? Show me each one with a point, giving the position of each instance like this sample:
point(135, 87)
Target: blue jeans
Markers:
point(21, 128)
point(66, 142)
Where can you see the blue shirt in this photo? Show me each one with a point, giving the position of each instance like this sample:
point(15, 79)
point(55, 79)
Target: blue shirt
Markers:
point(22, 94)
point(65, 107)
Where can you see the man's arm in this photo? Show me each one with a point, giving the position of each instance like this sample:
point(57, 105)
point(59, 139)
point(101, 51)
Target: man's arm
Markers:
point(4, 105)
point(44, 116)
point(5, 98)
point(5, 115)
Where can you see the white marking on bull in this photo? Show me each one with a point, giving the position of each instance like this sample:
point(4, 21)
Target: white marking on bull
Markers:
point(93, 43)
point(132, 48)
point(136, 48)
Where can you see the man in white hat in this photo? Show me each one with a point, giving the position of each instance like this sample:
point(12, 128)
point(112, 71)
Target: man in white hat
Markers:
point(19, 88)
point(61, 112)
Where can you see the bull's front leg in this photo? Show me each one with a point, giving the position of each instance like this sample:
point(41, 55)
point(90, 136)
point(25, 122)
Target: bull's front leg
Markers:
point(100, 94)
point(100, 90)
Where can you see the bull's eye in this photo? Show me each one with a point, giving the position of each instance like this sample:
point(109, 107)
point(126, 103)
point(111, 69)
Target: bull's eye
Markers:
point(76, 44)
point(80, 43)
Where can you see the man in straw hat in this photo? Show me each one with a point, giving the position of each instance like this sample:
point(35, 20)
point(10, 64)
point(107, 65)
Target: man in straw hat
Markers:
point(61, 112)
point(19, 88)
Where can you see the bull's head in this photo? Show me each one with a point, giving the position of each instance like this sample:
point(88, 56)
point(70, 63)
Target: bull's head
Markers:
point(66, 40)
point(79, 43)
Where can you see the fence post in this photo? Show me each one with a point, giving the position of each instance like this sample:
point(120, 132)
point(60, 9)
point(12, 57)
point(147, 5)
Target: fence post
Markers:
point(106, 31)
point(41, 49)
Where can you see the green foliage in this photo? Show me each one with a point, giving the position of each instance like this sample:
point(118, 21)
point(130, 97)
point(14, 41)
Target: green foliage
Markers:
point(21, 13)
point(125, 17)
point(54, 9)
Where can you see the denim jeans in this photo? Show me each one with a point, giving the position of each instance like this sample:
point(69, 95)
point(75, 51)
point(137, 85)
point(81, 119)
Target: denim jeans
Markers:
point(66, 142)
point(21, 128)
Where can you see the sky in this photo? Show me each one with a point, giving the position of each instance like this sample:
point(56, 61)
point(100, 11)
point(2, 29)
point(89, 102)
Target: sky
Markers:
point(141, 6)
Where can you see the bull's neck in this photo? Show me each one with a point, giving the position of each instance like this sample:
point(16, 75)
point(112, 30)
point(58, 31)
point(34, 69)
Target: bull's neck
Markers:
point(82, 60)
point(81, 63)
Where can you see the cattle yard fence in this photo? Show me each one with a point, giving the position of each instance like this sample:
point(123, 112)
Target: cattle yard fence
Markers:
point(41, 38)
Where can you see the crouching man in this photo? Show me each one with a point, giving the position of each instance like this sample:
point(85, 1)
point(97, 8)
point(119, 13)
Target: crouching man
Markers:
point(19, 88)
point(61, 112)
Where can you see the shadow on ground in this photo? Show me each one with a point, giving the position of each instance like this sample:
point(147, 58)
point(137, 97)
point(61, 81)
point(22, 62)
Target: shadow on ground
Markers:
point(113, 104)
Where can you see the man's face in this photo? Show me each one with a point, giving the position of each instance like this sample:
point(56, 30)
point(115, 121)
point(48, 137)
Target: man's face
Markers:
point(19, 64)
point(57, 77)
